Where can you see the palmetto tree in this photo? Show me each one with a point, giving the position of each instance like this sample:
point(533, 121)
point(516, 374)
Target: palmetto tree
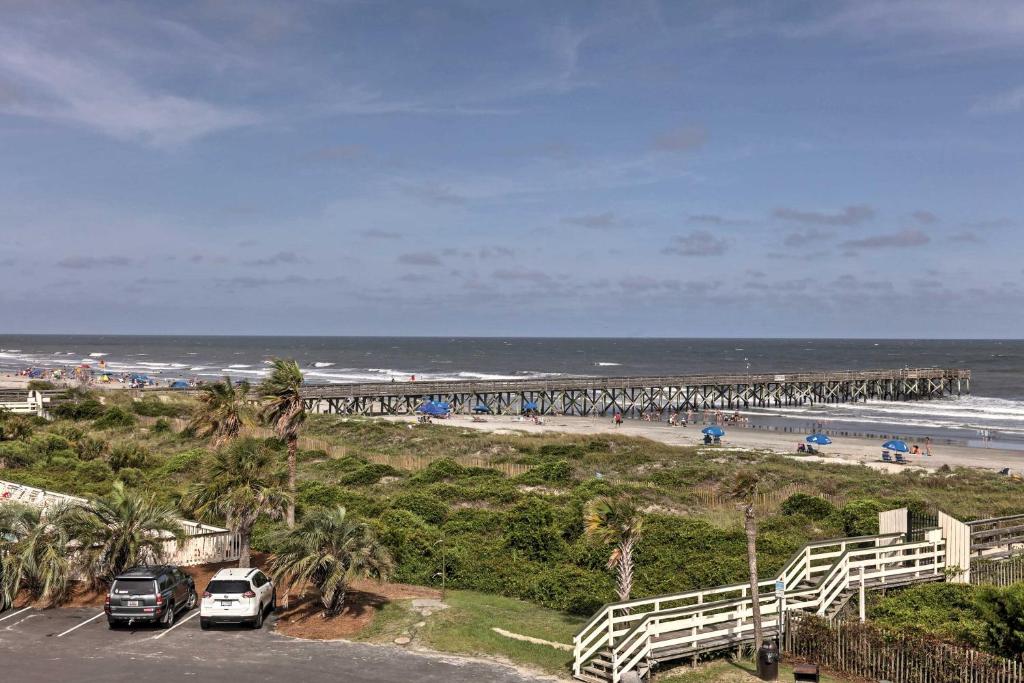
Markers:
point(222, 411)
point(285, 412)
point(328, 550)
point(617, 522)
point(123, 529)
point(744, 489)
point(243, 483)
point(36, 551)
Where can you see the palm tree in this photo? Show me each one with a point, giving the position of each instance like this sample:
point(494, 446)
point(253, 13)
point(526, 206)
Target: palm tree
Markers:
point(125, 528)
point(328, 550)
point(222, 412)
point(34, 553)
point(241, 484)
point(285, 412)
point(618, 522)
point(744, 489)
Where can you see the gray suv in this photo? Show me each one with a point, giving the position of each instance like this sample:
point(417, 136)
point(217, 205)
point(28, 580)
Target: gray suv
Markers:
point(152, 595)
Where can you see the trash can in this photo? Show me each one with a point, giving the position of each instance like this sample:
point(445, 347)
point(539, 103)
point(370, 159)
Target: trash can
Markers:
point(768, 662)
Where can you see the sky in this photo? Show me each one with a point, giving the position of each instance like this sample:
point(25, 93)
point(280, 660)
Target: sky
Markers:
point(642, 168)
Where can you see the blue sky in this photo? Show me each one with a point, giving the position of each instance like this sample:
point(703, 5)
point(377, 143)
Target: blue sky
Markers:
point(530, 168)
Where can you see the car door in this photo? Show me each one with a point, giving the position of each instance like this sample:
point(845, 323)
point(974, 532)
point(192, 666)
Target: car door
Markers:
point(258, 584)
point(180, 587)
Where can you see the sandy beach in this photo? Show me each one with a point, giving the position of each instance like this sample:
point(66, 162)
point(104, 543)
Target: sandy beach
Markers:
point(852, 451)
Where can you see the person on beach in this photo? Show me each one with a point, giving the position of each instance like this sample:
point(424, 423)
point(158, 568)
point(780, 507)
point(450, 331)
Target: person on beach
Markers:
point(928, 446)
point(617, 420)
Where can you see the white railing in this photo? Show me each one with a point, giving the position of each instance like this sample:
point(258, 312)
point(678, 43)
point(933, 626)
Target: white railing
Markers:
point(201, 544)
point(35, 404)
point(814, 579)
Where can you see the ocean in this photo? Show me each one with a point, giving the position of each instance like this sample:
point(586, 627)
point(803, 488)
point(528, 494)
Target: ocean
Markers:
point(993, 414)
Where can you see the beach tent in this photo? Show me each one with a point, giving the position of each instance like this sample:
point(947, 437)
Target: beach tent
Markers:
point(434, 408)
point(481, 408)
point(179, 384)
point(819, 439)
point(529, 405)
point(35, 372)
point(138, 377)
point(896, 445)
point(713, 431)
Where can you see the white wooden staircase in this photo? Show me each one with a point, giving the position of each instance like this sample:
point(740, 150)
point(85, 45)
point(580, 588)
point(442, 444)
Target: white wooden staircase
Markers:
point(821, 578)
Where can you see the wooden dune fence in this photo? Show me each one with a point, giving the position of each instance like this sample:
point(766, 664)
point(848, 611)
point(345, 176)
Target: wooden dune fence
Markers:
point(711, 496)
point(874, 653)
point(412, 463)
point(998, 572)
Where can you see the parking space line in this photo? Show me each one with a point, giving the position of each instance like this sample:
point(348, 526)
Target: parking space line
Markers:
point(161, 635)
point(25, 609)
point(81, 625)
point(19, 621)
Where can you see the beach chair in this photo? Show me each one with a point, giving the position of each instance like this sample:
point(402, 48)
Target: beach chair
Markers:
point(886, 457)
point(717, 441)
point(1005, 471)
point(900, 460)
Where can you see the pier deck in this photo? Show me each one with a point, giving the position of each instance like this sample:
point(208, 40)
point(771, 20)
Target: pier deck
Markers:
point(599, 396)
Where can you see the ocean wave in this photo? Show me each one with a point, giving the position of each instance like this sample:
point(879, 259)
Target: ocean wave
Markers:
point(604, 364)
point(239, 366)
point(320, 364)
point(97, 354)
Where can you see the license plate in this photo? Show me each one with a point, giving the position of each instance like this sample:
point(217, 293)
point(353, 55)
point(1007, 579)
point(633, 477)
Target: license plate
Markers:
point(226, 603)
point(132, 603)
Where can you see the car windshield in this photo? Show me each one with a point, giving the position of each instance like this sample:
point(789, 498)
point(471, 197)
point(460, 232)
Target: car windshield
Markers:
point(133, 587)
point(223, 586)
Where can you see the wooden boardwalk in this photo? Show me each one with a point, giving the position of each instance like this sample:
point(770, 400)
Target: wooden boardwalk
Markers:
point(600, 396)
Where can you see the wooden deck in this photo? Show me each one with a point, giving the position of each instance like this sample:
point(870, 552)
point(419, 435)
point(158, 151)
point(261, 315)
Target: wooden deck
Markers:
point(636, 395)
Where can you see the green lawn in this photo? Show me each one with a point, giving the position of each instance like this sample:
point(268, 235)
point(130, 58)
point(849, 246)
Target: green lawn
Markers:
point(466, 628)
point(722, 671)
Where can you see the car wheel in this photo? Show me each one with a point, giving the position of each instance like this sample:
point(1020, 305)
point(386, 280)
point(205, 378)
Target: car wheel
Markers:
point(168, 620)
point(111, 623)
point(257, 623)
point(273, 601)
point(204, 623)
point(192, 600)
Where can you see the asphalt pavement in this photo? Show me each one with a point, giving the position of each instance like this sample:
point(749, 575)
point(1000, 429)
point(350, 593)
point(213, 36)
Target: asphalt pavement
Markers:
point(76, 645)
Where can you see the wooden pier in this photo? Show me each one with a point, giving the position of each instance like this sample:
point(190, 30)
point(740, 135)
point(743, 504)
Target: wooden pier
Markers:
point(600, 396)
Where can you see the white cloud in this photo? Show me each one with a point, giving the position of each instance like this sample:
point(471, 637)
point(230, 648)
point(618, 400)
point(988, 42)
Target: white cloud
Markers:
point(1005, 102)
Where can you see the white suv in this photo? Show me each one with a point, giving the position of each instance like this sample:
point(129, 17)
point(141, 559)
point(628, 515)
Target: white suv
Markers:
point(237, 596)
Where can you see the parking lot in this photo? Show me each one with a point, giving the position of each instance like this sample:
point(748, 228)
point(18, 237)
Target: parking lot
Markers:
point(76, 644)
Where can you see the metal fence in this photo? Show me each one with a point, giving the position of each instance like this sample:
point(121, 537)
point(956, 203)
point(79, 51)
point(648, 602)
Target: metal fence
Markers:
point(874, 653)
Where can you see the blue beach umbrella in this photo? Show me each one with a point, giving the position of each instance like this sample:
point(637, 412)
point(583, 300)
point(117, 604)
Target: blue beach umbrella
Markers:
point(481, 408)
point(530, 405)
point(713, 431)
point(819, 439)
point(896, 445)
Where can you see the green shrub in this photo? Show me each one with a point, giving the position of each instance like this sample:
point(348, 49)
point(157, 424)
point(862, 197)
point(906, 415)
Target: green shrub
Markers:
point(162, 426)
point(14, 427)
point(947, 610)
point(131, 476)
point(114, 418)
point(154, 407)
point(128, 454)
point(47, 444)
point(413, 545)
point(530, 529)
point(557, 472)
point(572, 589)
point(40, 385)
point(69, 431)
point(440, 470)
point(16, 454)
point(94, 471)
point(860, 517)
point(91, 448)
point(1002, 610)
point(83, 409)
point(368, 474)
point(185, 462)
point(429, 508)
point(810, 506)
point(313, 494)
